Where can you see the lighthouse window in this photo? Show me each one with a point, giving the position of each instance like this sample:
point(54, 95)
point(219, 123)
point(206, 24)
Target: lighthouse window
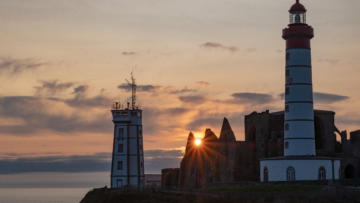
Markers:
point(287, 90)
point(120, 165)
point(290, 174)
point(296, 18)
point(322, 173)
point(120, 148)
point(121, 133)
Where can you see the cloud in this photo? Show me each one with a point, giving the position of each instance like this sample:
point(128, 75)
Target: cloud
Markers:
point(258, 98)
point(215, 45)
point(81, 89)
point(155, 160)
point(195, 99)
point(328, 98)
point(348, 120)
point(203, 83)
point(52, 87)
point(158, 120)
point(85, 102)
point(214, 120)
point(82, 100)
point(329, 61)
point(182, 91)
point(17, 66)
point(128, 53)
point(38, 113)
point(154, 154)
point(139, 88)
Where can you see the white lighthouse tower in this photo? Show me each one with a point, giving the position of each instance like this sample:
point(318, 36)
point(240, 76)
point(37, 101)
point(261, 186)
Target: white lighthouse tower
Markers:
point(127, 168)
point(300, 162)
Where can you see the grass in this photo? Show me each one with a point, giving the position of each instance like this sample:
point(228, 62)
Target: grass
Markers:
point(267, 188)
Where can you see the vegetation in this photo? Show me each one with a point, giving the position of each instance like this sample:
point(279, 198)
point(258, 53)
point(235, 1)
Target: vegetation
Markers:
point(230, 194)
point(267, 188)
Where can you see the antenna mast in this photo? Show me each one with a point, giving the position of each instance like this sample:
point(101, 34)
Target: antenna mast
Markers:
point(133, 91)
point(132, 84)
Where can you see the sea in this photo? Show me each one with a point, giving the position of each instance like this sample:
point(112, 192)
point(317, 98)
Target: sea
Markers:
point(42, 195)
point(49, 187)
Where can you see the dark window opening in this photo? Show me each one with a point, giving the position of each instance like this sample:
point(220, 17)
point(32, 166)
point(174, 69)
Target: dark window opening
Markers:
point(121, 133)
point(120, 165)
point(287, 108)
point(322, 173)
point(266, 174)
point(120, 148)
point(290, 174)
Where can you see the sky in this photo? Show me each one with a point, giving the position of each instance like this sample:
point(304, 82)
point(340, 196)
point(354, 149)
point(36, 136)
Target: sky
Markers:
point(63, 64)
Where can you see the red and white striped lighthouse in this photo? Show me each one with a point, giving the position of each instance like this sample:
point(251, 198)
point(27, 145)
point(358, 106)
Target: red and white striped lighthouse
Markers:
point(299, 162)
point(299, 130)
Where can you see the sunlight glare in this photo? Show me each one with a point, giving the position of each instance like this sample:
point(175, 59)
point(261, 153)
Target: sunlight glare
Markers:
point(197, 142)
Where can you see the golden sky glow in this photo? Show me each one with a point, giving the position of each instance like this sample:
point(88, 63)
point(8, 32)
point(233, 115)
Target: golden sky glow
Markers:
point(61, 63)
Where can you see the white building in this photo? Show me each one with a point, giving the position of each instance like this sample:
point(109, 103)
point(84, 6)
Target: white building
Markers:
point(300, 162)
point(127, 168)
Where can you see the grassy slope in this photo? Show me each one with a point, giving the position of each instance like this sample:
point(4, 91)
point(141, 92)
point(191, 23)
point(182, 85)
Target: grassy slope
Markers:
point(238, 194)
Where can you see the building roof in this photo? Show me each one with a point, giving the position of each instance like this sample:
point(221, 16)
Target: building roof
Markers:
point(282, 112)
point(297, 7)
point(302, 158)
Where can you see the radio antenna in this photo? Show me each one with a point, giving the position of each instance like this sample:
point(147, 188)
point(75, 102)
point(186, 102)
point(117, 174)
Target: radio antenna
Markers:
point(132, 84)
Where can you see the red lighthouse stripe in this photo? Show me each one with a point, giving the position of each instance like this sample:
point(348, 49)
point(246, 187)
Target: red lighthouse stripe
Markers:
point(298, 43)
point(298, 36)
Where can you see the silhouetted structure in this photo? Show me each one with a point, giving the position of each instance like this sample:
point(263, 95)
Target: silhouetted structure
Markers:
point(127, 166)
point(225, 160)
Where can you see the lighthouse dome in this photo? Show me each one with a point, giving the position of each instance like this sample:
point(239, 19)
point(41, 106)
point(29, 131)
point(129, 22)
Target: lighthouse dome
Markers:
point(297, 8)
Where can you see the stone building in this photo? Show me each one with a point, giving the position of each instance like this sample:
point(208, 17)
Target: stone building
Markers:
point(222, 159)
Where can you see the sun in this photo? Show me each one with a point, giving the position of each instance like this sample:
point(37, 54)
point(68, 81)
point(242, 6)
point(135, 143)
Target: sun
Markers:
point(197, 142)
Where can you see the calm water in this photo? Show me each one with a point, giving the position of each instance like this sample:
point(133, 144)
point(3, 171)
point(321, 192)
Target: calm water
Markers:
point(42, 195)
point(49, 187)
